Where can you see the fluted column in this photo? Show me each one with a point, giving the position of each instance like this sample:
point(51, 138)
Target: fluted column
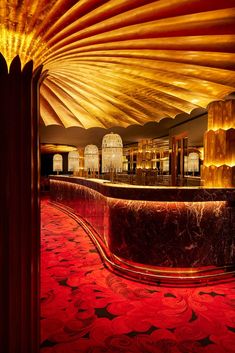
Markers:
point(19, 224)
point(219, 145)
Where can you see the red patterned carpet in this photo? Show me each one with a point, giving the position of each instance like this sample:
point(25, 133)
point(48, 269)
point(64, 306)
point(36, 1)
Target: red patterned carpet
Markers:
point(86, 308)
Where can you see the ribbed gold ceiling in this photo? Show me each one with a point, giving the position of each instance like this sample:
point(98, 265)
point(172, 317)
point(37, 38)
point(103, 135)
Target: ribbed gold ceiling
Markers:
point(123, 62)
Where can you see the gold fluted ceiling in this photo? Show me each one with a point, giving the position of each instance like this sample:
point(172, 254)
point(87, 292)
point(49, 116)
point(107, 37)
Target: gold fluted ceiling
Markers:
point(123, 62)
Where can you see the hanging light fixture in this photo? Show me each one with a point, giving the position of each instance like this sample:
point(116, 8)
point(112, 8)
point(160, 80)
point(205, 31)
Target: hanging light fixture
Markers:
point(57, 163)
point(91, 158)
point(112, 153)
point(165, 165)
point(73, 161)
point(193, 162)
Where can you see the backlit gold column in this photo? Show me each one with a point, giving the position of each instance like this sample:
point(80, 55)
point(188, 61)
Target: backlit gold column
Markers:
point(219, 145)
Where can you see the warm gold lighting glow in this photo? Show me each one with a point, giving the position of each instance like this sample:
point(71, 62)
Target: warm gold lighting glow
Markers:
point(219, 142)
point(91, 158)
point(112, 153)
point(26, 45)
point(57, 163)
point(50, 148)
point(73, 161)
point(217, 165)
point(123, 62)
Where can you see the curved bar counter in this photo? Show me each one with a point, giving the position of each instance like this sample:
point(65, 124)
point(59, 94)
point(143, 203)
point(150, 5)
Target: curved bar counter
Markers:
point(161, 234)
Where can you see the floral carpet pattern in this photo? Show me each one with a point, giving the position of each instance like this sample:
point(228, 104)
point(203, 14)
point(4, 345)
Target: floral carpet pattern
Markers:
point(87, 309)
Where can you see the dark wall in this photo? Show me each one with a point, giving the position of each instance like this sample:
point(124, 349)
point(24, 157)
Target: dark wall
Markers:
point(195, 129)
point(47, 164)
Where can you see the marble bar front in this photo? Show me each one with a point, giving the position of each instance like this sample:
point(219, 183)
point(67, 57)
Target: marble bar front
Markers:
point(160, 234)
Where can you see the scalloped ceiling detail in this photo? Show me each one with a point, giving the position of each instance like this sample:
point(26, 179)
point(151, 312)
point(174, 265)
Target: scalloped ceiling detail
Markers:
point(123, 62)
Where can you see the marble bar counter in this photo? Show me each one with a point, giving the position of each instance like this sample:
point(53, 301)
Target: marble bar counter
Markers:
point(162, 234)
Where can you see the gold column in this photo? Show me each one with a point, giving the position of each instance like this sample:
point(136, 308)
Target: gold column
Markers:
point(81, 172)
point(219, 145)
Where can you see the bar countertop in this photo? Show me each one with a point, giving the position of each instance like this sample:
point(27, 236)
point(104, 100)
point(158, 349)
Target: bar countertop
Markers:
point(151, 193)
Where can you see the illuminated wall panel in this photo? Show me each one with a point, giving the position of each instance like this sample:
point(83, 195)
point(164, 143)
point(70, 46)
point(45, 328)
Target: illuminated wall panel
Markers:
point(219, 142)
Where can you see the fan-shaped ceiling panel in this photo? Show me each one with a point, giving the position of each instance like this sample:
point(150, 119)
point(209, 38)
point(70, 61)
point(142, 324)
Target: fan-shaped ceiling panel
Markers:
point(123, 62)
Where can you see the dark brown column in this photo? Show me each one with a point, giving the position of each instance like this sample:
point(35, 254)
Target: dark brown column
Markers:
point(20, 219)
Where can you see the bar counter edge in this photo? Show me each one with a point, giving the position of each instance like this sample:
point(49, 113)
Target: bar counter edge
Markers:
point(164, 234)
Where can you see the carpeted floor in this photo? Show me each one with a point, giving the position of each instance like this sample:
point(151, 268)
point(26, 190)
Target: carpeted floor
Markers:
point(86, 308)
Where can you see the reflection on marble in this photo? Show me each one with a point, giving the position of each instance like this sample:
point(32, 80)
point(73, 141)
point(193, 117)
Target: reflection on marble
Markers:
point(179, 235)
point(152, 193)
point(85, 202)
point(171, 234)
